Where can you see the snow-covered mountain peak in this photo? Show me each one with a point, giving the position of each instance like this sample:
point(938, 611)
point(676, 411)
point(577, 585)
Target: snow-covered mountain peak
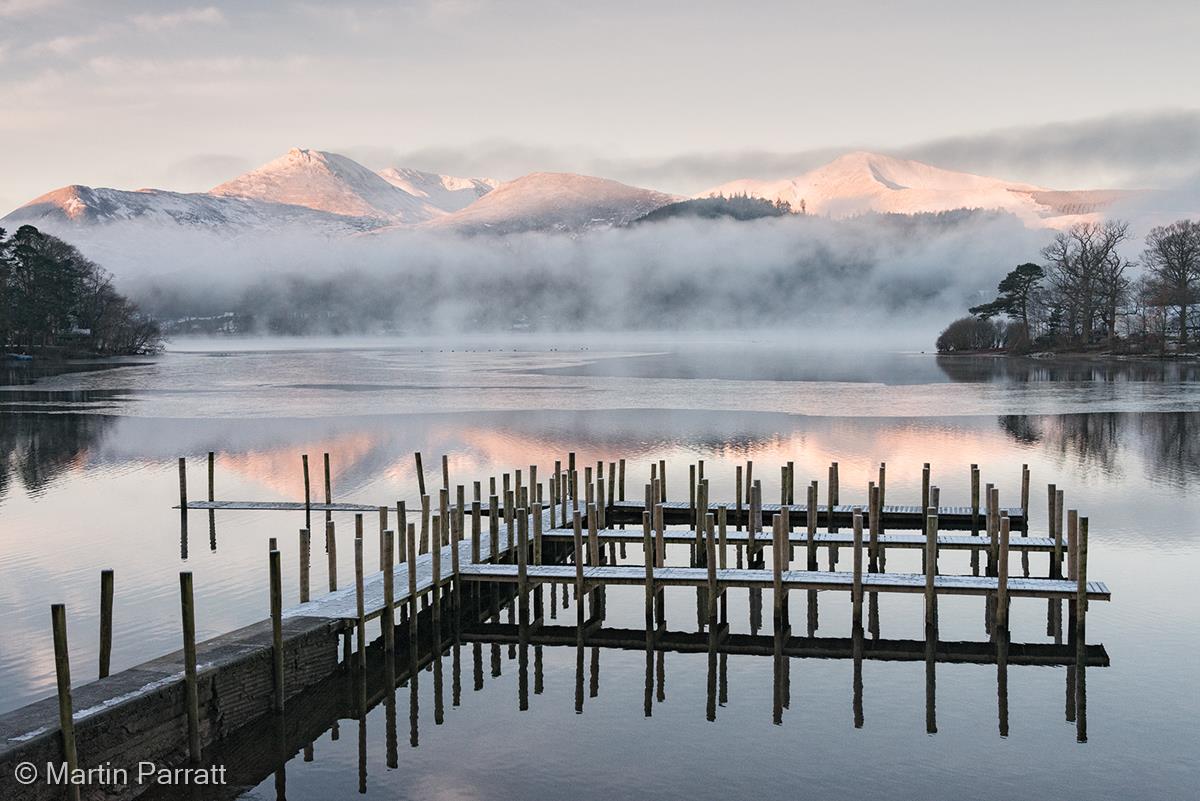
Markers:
point(556, 201)
point(328, 182)
point(447, 192)
point(862, 182)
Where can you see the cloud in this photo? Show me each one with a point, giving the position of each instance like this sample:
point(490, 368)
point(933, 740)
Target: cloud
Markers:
point(204, 171)
point(62, 45)
point(25, 8)
point(1132, 149)
point(1135, 150)
point(209, 15)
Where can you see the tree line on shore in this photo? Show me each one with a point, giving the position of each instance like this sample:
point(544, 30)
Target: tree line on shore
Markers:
point(1085, 295)
point(55, 300)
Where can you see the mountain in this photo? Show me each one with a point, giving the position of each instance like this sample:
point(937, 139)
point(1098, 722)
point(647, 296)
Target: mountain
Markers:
point(446, 192)
point(554, 201)
point(329, 182)
point(862, 182)
point(71, 209)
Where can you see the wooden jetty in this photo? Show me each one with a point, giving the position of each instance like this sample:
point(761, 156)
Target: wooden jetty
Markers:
point(523, 536)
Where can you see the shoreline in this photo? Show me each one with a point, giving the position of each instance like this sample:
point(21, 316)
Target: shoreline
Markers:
point(1075, 355)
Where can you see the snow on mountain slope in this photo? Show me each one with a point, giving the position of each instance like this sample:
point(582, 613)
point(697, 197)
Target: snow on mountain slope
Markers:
point(329, 182)
point(76, 208)
point(446, 192)
point(862, 182)
point(552, 201)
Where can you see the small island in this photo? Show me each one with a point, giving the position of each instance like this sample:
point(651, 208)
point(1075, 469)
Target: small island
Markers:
point(1086, 298)
point(57, 304)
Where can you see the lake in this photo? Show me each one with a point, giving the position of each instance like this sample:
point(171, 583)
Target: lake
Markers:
point(88, 477)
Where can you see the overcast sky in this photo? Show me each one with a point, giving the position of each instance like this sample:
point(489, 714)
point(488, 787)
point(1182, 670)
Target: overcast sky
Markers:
point(675, 95)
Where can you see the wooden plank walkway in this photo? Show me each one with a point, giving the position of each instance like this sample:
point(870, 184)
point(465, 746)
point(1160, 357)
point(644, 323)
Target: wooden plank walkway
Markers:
point(792, 580)
point(342, 604)
point(956, 517)
point(282, 506)
point(824, 539)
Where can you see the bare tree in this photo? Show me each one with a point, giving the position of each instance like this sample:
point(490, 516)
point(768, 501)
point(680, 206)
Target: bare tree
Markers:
point(1172, 258)
point(1087, 276)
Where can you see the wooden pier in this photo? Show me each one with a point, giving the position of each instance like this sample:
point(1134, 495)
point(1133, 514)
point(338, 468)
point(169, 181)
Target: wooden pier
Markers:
point(523, 536)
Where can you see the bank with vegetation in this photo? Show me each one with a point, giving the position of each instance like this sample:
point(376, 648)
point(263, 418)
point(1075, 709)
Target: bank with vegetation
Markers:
point(1085, 297)
point(54, 302)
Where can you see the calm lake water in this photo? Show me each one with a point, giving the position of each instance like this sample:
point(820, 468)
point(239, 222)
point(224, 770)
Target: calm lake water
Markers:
point(88, 478)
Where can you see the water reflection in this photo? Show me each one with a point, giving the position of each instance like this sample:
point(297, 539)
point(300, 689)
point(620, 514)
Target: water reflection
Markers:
point(1002, 369)
point(1167, 443)
point(264, 751)
point(39, 449)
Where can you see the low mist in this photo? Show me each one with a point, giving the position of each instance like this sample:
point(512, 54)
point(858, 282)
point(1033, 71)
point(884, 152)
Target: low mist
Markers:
point(874, 277)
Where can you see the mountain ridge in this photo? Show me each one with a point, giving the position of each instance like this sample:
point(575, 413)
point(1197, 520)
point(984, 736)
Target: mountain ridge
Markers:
point(335, 195)
point(863, 182)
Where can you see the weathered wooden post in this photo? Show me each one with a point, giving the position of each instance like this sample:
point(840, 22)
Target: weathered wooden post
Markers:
point(577, 520)
point(648, 551)
point(331, 551)
point(420, 474)
point(276, 628)
point(360, 605)
point(722, 525)
point(389, 595)
point(1058, 533)
point(424, 545)
point(523, 557)
point(833, 501)
point(1025, 494)
point(811, 515)
point(305, 562)
point(749, 480)
point(328, 488)
point(1002, 581)
point(593, 536)
point(925, 477)
point(1051, 519)
point(974, 499)
point(212, 476)
point(875, 512)
point(777, 566)
point(537, 533)
point(662, 477)
point(307, 494)
point(106, 620)
point(621, 479)
point(183, 501)
point(882, 484)
point(494, 527)
point(435, 553)
point(1081, 602)
point(400, 539)
point(191, 702)
point(856, 588)
point(66, 714)
point(711, 563)
point(931, 530)
point(445, 471)
point(476, 530)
